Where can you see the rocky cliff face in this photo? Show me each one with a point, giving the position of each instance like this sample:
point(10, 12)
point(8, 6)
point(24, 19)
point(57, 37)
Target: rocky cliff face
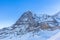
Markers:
point(30, 22)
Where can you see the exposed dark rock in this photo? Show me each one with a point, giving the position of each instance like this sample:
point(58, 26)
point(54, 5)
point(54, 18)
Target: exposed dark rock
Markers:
point(29, 22)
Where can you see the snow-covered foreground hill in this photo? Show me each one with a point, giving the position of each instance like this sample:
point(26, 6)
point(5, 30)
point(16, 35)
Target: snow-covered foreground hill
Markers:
point(55, 37)
point(31, 27)
point(42, 35)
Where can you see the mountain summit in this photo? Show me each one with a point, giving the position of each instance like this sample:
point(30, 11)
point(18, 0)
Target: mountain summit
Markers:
point(30, 22)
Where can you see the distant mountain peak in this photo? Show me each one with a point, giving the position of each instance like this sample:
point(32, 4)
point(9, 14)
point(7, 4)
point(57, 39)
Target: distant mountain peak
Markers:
point(25, 17)
point(29, 22)
point(57, 14)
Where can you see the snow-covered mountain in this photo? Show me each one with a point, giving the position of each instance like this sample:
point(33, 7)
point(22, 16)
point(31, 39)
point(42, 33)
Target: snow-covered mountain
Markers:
point(31, 27)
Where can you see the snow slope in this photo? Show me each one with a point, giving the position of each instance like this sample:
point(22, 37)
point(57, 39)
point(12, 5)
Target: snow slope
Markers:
point(42, 35)
point(55, 37)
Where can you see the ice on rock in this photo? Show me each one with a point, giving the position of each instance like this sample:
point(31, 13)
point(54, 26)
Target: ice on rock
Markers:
point(32, 27)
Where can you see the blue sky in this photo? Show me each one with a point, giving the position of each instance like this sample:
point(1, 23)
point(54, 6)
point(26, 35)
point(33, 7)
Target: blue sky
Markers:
point(11, 10)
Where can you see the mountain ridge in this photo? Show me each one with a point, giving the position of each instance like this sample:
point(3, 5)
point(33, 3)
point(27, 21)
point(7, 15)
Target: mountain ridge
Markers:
point(29, 22)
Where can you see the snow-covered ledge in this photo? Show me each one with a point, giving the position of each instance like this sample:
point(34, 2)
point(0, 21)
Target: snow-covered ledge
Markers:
point(55, 37)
